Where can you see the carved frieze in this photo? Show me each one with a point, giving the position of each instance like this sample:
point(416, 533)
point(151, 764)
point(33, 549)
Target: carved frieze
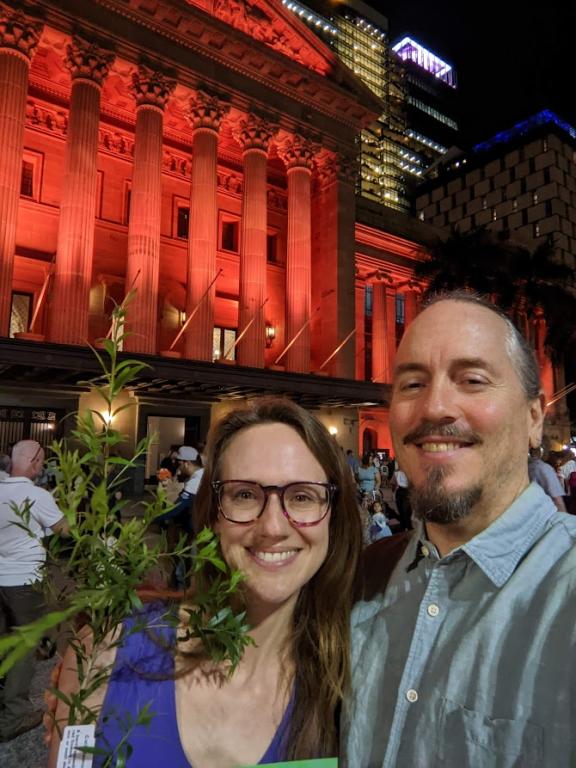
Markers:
point(18, 31)
point(255, 18)
point(46, 118)
point(88, 60)
point(152, 86)
point(277, 200)
point(116, 142)
point(207, 110)
point(230, 182)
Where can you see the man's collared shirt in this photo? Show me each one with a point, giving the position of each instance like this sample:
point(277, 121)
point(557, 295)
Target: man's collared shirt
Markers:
point(468, 661)
point(22, 554)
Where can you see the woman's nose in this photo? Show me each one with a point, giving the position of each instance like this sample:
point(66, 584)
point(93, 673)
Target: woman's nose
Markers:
point(272, 520)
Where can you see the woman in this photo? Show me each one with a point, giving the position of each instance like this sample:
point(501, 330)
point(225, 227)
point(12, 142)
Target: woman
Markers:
point(279, 494)
point(368, 476)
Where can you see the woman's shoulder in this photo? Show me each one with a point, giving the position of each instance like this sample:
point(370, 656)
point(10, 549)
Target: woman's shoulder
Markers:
point(148, 638)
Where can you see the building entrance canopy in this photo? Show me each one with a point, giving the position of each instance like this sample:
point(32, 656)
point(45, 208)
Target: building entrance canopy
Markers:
point(38, 366)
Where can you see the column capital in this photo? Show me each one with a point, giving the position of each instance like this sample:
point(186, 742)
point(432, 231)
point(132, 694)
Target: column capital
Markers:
point(298, 152)
point(255, 132)
point(339, 167)
point(207, 110)
point(88, 60)
point(18, 31)
point(152, 85)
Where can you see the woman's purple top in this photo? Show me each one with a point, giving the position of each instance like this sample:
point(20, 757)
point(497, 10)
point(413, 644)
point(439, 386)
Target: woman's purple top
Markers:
point(143, 675)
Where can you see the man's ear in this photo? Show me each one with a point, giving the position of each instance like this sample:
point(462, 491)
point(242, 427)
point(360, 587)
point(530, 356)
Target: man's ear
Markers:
point(537, 413)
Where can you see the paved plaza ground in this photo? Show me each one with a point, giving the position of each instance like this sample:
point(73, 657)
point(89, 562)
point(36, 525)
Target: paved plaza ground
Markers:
point(29, 750)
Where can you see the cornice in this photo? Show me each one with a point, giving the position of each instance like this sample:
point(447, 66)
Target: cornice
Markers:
point(216, 41)
point(391, 244)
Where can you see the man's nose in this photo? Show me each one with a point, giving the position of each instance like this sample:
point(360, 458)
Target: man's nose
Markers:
point(440, 402)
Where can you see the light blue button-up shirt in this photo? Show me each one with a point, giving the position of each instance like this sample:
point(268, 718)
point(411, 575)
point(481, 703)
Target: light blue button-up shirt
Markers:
point(469, 661)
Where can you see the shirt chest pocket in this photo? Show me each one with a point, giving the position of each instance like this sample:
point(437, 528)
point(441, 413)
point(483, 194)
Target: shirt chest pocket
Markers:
point(467, 737)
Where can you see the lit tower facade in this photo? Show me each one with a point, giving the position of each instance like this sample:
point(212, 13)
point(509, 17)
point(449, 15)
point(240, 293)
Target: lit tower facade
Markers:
point(417, 88)
point(430, 99)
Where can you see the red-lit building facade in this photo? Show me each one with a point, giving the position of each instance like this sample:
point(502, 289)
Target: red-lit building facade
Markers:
point(204, 154)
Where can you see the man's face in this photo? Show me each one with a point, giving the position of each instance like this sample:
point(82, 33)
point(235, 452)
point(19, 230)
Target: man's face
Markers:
point(186, 469)
point(460, 420)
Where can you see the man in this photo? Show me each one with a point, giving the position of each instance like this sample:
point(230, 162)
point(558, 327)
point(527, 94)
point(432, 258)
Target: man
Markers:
point(401, 498)
point(543, 474)
point(190, 470)
point(22, 557)
point(466, 658)
point(352, 462)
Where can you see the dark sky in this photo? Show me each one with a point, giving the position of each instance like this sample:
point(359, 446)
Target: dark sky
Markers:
point(512, 58)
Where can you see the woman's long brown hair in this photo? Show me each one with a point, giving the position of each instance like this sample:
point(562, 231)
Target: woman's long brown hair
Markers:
point(319, 646)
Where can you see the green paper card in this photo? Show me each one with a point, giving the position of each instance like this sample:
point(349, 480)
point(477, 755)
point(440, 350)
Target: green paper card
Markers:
point(325, 762)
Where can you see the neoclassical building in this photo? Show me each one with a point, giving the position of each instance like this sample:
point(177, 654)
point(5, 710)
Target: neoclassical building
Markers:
point(202, 155)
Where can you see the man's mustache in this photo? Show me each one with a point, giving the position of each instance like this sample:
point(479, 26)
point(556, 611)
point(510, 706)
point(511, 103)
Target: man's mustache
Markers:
point(428, 428)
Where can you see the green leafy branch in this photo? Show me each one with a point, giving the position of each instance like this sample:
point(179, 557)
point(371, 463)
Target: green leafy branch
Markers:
point(107, 558)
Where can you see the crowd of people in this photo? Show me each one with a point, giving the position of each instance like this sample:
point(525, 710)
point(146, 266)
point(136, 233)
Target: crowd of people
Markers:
point(452, 643)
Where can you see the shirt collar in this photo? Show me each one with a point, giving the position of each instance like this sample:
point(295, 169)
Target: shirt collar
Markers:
point(18, 480)
point(498, 549)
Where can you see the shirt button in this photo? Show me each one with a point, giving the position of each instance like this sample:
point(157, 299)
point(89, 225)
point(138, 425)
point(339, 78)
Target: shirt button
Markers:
point(412, 695)
point(433, 610)
point(425, 551)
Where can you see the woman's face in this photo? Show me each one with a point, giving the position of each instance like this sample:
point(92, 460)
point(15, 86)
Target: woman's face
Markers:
point(277, 558)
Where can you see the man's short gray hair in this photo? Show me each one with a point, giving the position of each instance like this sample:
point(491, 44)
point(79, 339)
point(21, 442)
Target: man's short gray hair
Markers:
point(520, 353)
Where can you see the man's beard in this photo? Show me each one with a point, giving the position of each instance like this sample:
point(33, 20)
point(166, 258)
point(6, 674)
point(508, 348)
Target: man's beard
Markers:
point(433, 504)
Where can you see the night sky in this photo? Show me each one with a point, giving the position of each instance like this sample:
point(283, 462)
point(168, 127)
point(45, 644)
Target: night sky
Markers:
point(512, 58)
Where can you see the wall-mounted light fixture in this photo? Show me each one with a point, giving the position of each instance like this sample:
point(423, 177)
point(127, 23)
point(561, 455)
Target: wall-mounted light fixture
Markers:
point(107, 417)
point(270, 335)
point(333, 431)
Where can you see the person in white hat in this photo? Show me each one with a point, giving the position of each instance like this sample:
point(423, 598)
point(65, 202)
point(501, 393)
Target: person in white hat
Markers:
point(190, 470)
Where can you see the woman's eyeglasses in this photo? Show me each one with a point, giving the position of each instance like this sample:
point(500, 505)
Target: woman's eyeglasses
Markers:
point(303, 503)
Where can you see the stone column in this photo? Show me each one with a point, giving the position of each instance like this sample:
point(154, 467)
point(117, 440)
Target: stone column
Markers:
point(333, 269)
point(254, 136)
point(88, 64)
point(152, 89)
point(19, 35)
point(410, 306)
point(297, 154)
point(383, 332)
point(206, 114)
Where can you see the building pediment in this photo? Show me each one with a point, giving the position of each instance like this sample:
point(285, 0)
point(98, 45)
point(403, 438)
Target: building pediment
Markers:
point(268, 22)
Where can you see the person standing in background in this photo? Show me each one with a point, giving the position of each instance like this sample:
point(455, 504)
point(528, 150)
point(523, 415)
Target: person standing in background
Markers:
point(543, 474)
point(22, 559)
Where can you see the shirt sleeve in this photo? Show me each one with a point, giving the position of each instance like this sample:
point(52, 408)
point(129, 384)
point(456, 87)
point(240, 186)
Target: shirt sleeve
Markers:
point(183, 504)
point(44, 509)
